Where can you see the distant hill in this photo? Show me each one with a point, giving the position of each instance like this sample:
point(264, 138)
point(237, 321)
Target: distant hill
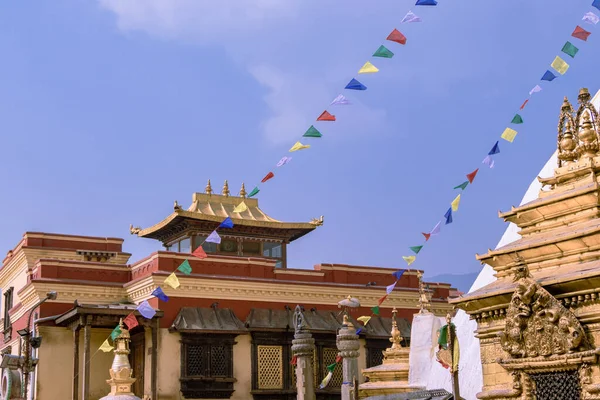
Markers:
point(461, 282)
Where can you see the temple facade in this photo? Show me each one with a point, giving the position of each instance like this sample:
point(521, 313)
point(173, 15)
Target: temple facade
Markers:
point(226, 332)
point(538, 324)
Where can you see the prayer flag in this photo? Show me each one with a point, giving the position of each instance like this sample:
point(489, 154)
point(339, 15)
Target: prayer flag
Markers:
point(325, 116)
point(496, 148)
point(381, 300)
point(569, 49)
point(368, 68)
point(517, 119)
point(199, 252)
point(559, 65)
point(213, 238)
point(535, 89)
point(326, 380)
point(410, 17)
point(227, 223)
point(397, 36)
point(375, 310)
point(591, 18)
point(489, 161)
point(472, 175)
point(509, 135)
point(115, 333)
point(358, 331)
point(355, 85)
point(524, 104)
point(240, 208)
point(331, 367)
point(146, 310)
point(299, 146)
point(596, 3)
point(462, 186)
point(283, 161)
point(267, 177)
point(409, 259)
point(426, 3)
point(338, 358)
point(340, 100)
point(158, 292)
point(185, 267)
point(364, 319)
point(383, 52)
point(448, 216)
point(398, 274)
point(106, 347)
point(131, 321)
point(416, 249)
point(312, 132)
point(294, 360)
point(254, 191)
point(436, 229)
point(389, 289)
point(548, 76)
point(427, 235)
point(172, 281)
point(455, 203)
point(581, 33)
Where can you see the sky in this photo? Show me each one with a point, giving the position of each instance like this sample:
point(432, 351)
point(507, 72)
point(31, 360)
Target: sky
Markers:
point(112, 109)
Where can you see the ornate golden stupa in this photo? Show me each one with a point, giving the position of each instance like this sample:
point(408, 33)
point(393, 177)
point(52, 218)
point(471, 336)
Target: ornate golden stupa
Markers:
point(538, 324)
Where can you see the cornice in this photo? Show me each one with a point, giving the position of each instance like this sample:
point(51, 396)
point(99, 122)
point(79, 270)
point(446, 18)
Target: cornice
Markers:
point(75, 238)
point(13, 267)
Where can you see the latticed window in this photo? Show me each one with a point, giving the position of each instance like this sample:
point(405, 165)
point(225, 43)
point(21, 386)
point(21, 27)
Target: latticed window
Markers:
point(270, 367)
point(195, 360)
point(329, 356)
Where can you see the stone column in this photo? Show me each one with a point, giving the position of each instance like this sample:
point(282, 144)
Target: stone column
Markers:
point(303, 347)
point(349, 345)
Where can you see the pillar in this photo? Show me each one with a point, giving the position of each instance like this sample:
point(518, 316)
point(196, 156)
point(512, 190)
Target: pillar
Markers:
point(87, 337)
point(154, 359)
point(348, 344)
point(303, 347)
point(76, 362)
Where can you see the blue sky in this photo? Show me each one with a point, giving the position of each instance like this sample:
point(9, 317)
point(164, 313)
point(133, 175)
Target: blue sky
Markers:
point(112, 109)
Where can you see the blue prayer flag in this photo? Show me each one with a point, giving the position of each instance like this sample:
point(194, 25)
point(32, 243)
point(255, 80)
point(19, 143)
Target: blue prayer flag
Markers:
point(426, 3)
point(548, 76)
point(358, 331)
point(495, 149)
point(398, 274)
point(213, 238)
point(146, 310)
point(448, 216)
point(355, 85)
point(158, 292)
point(596, 4)
point(227, 223)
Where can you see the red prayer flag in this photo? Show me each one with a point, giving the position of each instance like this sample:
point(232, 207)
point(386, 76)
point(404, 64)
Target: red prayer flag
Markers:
point(326, 117)
point(471, 176)
point(427, 235)
point(267, 177)
point(381, 300)
point(581, 33)
point(130, 321)
point(397, 37)
point(338, 359)
point(199, 252)
point(524, 104)
point(294, 360)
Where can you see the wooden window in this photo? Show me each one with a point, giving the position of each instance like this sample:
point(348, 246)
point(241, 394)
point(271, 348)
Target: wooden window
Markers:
point(208, 247)
point(251, 248)
point(8, 303)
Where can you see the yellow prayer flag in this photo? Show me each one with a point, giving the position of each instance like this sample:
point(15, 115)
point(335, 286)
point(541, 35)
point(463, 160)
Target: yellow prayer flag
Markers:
point(560, 65)
point(455, 203)
point(409, 259)
point(299, 146)
point(240, 207)
point(364, 319)
point(509, 135)
point(106, 347)
point(172, 281)
point(368, 68)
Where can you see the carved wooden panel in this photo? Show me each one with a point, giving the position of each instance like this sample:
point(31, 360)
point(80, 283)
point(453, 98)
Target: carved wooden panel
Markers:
point(270, 367)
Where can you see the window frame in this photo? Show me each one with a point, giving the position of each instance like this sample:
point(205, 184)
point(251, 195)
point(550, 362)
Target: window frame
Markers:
point(8, 304)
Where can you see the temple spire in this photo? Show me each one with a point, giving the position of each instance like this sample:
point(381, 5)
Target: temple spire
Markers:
point(225, 191)
point(243, 191)
point(208, 188)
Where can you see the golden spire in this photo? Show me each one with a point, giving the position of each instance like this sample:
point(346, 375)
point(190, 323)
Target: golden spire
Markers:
point(396, 336)
point(243, 191)
point(225, 191)
point(208, 188)
point(567, 137)
point(566, 106)
point(584, 96)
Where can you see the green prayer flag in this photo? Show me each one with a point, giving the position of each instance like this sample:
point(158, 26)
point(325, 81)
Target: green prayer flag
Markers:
point(443, 336)
point(517, 119)
point(185, 267)
point(462, 186)
point(254, 191)
point(569, 49)
point(375, 310)
point(331, 367)
point(312, 132)
point(384, 52)
point(416, 249)
point(115, 333)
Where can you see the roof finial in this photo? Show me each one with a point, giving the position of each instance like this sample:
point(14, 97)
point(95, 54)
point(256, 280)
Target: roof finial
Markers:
point(208, 188)
point(584, 96)
point(225, 191)
point(243, 191)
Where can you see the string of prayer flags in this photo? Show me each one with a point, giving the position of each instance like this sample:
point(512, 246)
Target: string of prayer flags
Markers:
point(364, 319)
point(472, 175)
point(270, 175)
point(299, 146)
point(535, 89)
point(455, 203)
point(146, 310)
point(185, 267)
point(410, 17)
point(591, 18)
point(172, 281)
point(283, 161)
point(254, 192)
point(569, 49)
point(396, 36)
point(227, 223)
point(496, 148)
point(115, 333)
point(416, 249)
point(596, 3)
point(462, 186)
point(489, 161)
point(106, 347)
point(375, 310)
point(409, 259)
point(213, 238)
point(355, 85)
point(426, 3)
point(326, 116)
point(340, 100)
point(368, 68)
point(524, 104)
point(240, 208)
point(517, 119)
point(383, 52)
point(312, 132)
point(199, 252)
point(158, 293)
point(381, 300)
point(581, 33)
point(131, 321)
point(389, 289)
point(548, 76)
point(509, 135)
point(448, 216)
